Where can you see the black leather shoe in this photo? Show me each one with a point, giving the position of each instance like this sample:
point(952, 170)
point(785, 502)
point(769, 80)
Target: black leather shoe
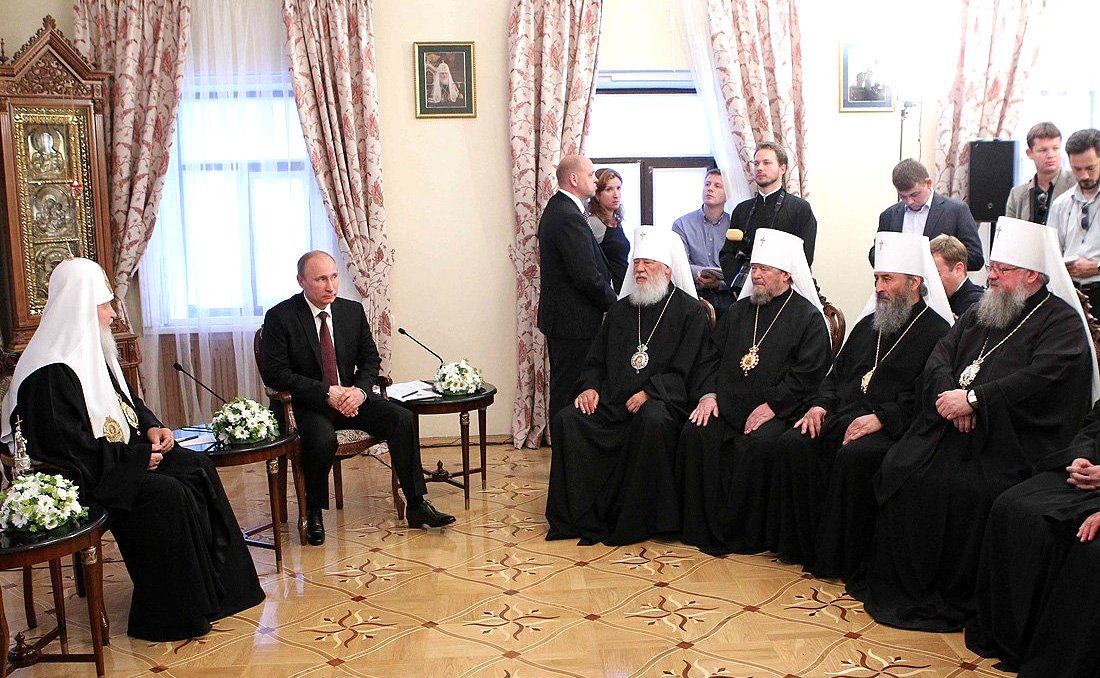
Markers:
point(424, 514)
point(315, 527)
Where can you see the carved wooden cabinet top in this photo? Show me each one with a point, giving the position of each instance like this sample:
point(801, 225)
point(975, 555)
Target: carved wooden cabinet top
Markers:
point(54, 199)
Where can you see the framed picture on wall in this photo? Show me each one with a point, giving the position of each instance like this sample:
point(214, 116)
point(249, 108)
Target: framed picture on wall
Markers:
point(446, 86)
point(865, 83)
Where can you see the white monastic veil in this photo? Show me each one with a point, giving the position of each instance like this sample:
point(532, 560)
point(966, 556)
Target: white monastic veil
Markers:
point(1036, 247)
point(660, 244)
point(909, 254)
point(786, 252)
point(69, 333)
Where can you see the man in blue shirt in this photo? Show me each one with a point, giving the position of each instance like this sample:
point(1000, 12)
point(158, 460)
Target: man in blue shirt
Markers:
point(704, 233)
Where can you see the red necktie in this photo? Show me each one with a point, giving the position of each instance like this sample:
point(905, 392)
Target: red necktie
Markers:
point(328, 353)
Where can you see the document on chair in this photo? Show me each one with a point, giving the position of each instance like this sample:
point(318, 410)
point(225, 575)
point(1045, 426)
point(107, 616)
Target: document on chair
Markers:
point(411, 390)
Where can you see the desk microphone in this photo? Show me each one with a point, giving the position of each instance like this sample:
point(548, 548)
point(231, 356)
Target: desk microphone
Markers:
point(179, 368)
point(401, 330)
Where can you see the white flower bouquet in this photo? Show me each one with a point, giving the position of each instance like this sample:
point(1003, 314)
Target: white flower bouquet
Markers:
point(457, 378)
point(38, 502)
point(243, 421)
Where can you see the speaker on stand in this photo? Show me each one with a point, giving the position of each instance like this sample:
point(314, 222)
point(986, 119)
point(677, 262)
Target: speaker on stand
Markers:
point(992, 176)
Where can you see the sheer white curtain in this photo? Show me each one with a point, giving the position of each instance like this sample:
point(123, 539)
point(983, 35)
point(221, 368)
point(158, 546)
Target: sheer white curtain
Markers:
point(691, 15)
point(240, 206)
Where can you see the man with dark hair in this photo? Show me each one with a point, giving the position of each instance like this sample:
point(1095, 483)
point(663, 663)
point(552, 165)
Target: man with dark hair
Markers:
point(773, 207)
point(319, 347)
point(704, 233)
point(1074, 215)
point(1031, 200)
point(949, 254)
point(922, 211)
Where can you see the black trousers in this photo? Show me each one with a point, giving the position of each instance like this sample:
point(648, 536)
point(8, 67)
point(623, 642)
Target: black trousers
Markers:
point(566, 358)
point(378, 417)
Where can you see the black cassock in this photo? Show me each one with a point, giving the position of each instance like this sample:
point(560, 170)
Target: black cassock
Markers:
point(174, 526)
point(612, 473)
point(1038, 591)
point(726, 474)
point(936, 485)
point(822, 490)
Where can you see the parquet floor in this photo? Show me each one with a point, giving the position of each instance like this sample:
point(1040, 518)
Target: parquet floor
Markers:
point(489, 597)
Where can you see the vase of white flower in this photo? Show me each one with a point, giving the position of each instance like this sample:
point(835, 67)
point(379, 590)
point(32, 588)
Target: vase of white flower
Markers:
point(458, 378)
point(244, 422)
point(37, 504)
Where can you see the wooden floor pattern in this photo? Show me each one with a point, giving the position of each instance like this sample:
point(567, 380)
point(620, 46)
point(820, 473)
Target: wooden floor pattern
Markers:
point(489, 597)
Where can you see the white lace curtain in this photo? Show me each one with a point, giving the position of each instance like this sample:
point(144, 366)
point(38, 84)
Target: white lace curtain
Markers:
point(240, 206)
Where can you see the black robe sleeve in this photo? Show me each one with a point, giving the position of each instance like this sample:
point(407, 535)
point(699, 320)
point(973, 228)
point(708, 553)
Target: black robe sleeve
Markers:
point(275, 367)
point(673, 385)
point(594, 371)
point(790, 394)
point(55, 424)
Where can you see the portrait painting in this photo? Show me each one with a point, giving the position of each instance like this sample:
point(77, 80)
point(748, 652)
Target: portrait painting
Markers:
point(445, 80)
point(865, 82)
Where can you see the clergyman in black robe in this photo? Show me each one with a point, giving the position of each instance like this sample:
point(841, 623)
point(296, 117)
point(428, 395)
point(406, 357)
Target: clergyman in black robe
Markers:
point(821, 489)
point(612, 474)
point(1038, 591)
point(165, 506)
point(974, 436)
point(725, 450)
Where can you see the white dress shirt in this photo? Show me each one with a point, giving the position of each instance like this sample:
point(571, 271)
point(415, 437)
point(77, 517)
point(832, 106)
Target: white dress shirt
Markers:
point(1065, 217)
point(914, 221)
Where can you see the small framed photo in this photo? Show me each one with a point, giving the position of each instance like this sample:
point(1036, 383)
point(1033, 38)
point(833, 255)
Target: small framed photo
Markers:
point(865, 83)
point(446, 86)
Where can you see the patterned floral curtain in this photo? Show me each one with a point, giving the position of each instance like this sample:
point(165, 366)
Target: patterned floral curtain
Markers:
point(552, 50)
point(332, 61)
point(757, 51)
point(997, 46)
point(143, 45)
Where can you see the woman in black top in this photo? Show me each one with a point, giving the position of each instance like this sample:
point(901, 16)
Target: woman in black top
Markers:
point(605, 218)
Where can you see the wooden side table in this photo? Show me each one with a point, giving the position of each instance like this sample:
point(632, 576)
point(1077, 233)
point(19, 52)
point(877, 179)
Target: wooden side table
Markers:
point(269, 452)
point(479, 401)
point(85, 539)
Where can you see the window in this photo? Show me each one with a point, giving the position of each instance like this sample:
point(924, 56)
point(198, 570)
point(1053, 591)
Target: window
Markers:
point(240, 205)
point(650, 127)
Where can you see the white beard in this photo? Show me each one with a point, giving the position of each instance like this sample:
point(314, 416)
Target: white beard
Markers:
point(890, 315)
point(997, 308)
point(651, 291)
point(761, 296)
point(110, 347)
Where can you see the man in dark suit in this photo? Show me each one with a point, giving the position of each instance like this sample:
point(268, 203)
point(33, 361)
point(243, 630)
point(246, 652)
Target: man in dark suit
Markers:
point(319, 347)
point(950, 256)
point(922, 211)
point(576, 287)
point(773, 207)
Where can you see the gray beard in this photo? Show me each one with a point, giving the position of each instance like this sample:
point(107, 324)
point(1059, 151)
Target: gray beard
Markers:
point(997, 308)
point(761, 296)
point(650, 292)
point(891, 314)
point(107, 342)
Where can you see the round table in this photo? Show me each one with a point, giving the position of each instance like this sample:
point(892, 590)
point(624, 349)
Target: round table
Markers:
point(462, 404)
point(271, 451)
point(84, 538)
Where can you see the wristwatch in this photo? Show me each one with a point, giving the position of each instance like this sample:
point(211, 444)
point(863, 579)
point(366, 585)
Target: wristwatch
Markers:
point(972, 398)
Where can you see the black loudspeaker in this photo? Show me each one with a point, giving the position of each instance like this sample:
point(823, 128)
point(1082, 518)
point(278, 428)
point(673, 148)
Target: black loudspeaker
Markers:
point(992, 176)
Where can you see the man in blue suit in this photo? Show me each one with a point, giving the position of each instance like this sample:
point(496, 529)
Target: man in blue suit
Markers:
point(922, 211)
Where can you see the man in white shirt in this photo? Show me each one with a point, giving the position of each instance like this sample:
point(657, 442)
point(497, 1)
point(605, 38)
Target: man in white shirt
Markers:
point(1074, 215)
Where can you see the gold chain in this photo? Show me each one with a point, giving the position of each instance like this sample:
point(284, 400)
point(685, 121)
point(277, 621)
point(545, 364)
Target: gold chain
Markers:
point(970, 373)
point(865, 383)
point(752, 358)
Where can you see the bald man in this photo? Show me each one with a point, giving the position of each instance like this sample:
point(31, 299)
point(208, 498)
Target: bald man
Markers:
point(576, 285)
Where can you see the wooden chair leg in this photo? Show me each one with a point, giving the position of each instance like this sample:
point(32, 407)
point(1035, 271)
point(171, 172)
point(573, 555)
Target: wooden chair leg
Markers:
point(282, 489)
point(338, 482)
point(78, 576)
point(28, 597)
point(58, 585)
point(398, 500)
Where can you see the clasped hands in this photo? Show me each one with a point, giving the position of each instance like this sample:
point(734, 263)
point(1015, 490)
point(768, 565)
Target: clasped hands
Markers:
point(1084, 475)
point(345, 399)
point(589, 400)
point(163, 441)
point(952, 405)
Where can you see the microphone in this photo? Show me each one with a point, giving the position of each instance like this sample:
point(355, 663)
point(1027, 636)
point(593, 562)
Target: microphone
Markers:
point(401, 330)
point(179, 368)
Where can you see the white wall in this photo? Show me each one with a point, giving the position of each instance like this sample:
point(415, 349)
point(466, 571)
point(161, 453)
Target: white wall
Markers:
point(20, 19)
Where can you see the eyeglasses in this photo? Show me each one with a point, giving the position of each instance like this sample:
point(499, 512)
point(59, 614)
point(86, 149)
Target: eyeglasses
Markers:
point(1001, 269)
point(1041, 205)
point(1084, 217)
